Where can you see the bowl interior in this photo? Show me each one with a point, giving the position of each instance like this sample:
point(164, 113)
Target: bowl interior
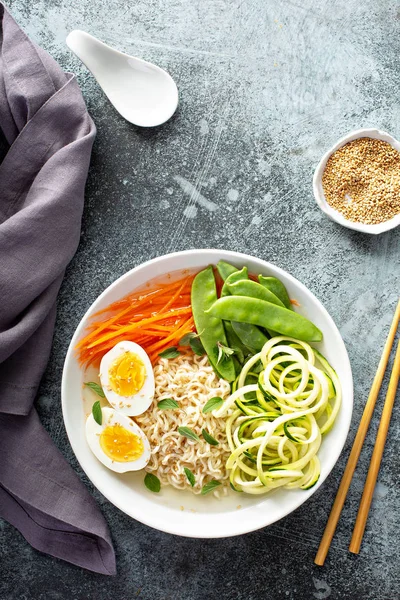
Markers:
point(183, 513)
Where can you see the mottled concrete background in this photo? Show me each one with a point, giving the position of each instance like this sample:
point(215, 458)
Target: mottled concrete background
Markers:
point(265, 88)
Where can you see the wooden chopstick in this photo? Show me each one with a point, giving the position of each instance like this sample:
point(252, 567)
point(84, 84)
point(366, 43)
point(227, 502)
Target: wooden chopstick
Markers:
point(377, 454)
point(357, 445)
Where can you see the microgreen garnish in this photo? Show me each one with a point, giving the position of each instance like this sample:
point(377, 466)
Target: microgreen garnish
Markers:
point(152, 483)
point(168, 404)
point(96, 388)
point(190, 476)
point(224, 352)
point(171, 352)
point(192, 339)
point(209, 438)
point(96, 412)
point(185, 340)
point(210, 486)
point(187, 432)
point(212, 404)
point(197, 347)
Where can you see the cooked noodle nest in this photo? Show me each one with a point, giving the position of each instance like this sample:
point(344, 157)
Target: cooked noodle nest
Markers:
point(191, 381)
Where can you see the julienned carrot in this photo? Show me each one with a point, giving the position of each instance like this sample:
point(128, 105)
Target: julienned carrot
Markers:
point(91, 355)
point(176, 335)
point(142, 300)
point(154, 318)
point(104, 326)
point(175, 296)
point(129, 300)
point(137, 336)
point(129, 328)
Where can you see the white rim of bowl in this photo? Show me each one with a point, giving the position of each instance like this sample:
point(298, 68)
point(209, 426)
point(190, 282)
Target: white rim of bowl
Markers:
point(241, 528)
point(319, 191)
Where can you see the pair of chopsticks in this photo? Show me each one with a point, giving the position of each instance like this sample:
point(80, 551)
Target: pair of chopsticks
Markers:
point(376, 458)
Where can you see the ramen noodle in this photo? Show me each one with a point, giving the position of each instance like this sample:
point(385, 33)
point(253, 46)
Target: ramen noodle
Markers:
point(191, 381)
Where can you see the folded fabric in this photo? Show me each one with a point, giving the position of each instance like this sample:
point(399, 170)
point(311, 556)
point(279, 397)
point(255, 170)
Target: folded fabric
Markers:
point(42, 178)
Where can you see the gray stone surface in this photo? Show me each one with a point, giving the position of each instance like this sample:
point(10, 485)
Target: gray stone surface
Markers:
point(265, 89)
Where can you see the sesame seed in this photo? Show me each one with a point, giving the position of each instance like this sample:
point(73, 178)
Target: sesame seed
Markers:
point(362, 181)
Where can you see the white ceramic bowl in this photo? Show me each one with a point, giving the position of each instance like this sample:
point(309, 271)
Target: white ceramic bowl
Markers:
point(319, 191)
point(203, 516)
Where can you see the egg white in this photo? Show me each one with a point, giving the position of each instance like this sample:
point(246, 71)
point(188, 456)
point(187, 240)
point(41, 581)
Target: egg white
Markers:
point(111, 417)
point(137, 403)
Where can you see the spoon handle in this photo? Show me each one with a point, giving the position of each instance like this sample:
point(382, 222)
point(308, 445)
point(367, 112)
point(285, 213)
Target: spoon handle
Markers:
point(91, 51)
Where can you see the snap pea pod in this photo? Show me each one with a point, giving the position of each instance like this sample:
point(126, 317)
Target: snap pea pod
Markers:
point(241, 351)
point(250, 335)
point(265, 314)
point(253, 290)
point(236, 276)
point(276, 286)
point(210, 328)
point(225, 269)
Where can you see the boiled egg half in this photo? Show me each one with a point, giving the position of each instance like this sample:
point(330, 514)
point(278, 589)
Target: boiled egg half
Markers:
point(127, 378)
point(118, 442)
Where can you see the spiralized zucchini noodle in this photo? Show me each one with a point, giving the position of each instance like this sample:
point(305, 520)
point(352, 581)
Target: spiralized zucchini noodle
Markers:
point(285, 399)
point(191, 381)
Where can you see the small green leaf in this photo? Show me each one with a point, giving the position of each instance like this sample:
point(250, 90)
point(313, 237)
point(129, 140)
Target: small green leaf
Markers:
point(212, 404)
point(197, 346)
point(185, 340)
point(223, 352)
point(171, 352)
point(96, 388)
point(192, 339)
point(209, 438)
point(96, 412)
point(190, 476)
point(187, 432)
point(152, 483)
point(168, 404)
point(210, 486)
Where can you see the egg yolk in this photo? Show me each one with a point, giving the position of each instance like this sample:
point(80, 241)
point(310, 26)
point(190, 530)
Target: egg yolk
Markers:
point(121, 445)
point(127, 374)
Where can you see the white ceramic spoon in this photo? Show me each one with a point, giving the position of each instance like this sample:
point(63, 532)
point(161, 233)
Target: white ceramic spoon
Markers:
point(142, 93)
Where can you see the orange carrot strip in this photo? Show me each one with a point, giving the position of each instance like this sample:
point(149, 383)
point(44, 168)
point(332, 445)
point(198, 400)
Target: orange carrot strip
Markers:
point(175, 296)
point(100, 351)
point(175, 335)
point(130, 300)
point(130, 328)
point(102, 327)
point(144, 317)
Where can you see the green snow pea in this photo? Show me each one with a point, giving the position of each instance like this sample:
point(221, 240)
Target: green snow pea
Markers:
point(276, 286)
point(241, 350)
point(210, 328)
point(253, 290)
point(265, 314)
point(225, 269)
point(236, 276)
point(238, 365)
point(250, 335)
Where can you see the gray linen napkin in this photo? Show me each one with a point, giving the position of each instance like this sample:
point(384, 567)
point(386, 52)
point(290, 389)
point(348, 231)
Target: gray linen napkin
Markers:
point(42, 177)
